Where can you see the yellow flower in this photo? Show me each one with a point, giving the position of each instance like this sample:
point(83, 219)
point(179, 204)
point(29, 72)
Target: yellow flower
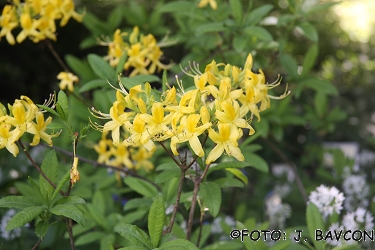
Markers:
point(8, 21)
point(67, 11)
point(102, 148)
point(67, 80)
point(157, 123)
point(29, 28)
point(231, 114)
point(7, 139)
point(212, 3)
point(141, 156)
point(38, 130)
point(190, 132)
point(119, 117)
point(74, 174)
point(139, 135)
point(224, 141)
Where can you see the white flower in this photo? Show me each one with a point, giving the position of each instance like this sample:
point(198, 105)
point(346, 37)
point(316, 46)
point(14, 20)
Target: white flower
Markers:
point(327, 200)
point(278, 214)
point(356, 191)
point(361, 219)
point(336, 227)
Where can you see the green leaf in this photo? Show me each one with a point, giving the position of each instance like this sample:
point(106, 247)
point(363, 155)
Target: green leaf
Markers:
point(320, 7)
point(210, 27)
point(41, 229)
point(102, 69)
point(318, 85)
point(290, 65)
point(93, 84)
point(62, 100)
point(310, 59)
point(249, 244)
point(309, 31)
point(134, 234)
point(141, 186)
point(63, 180)
point(314, 221)
point(94, 24)
point(48, 109)
point(99, 201)
point(107, 241)
point(50, 168)
point(156, 218)
point(89, 238)
point(259, 32)
point(225, 245)
point(98, 217)
point(237, 9)
point(257, 14)
point(179, 244)
point(137, 203)
point(133, 248)
point(167, 175)
point(256, 162)
point(177, 7)
point(130, 82)
point(114, 19)
point(37, 189)
point(24, 216)
point(121, 63)
point(135, 14)
point(17, 202)
point(211, 195)
point(228, 164)
point(77, 65)
point(229, 182)
point(238, 173)
point(320, 102)
point(281, 245)
point(70, 211)
point(70, 200)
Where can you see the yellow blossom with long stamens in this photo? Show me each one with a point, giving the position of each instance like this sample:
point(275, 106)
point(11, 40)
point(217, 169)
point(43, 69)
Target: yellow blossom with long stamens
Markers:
point(224, 142)
point(190, 133)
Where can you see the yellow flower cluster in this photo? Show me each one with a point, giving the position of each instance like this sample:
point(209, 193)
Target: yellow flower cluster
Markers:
point(219, 107)
point(24, 117)
point(67, 80)
point(36, 18)
point(204, 3)
point(143, 52)
point(130, 157)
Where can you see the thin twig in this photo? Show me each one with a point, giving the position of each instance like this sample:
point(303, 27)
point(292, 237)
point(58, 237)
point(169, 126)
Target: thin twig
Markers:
point(200, 228)
point(37, 167)
point(102, 165)
point(179, 191)
point(37, 244)
point(197, 181)
point(292, 167)
point(69, 226)
point(170, 154)
point(56, 55)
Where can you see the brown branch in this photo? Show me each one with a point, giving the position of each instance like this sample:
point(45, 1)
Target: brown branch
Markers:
point(102, 165)
point(37, 244)
point(69, 226)
point(200, 228)
point(179, 191)
point(197, 181)
point(38, 168)
point(291, 166)
point(56, 55)
point(170, 154)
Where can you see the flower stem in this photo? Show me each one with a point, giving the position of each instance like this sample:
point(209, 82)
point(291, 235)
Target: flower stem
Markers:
point(179, 191)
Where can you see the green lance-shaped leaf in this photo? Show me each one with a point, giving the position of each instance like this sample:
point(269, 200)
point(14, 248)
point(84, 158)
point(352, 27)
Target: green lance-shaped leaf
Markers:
point(50, 168)
point(140, 186)
point(70, 211)
point(24, 216)
point(237, 9)
point(37, 189)
point(238, 173)
point(62, 101)
point(281, 245)
point(121, 63)
point(102, 69)
point(41, 229)
point(17, 202)
point(179, 244)
point(257, 14)
point(63, 180)
point(309, 31)
point(310, 59)
point(52, 111)
point(211, 194)
point(156, 219)
point(70, 200)
point(228, 164)
point(134, 234)
point(257, 162)
point(93, 84)
point(314, 222)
